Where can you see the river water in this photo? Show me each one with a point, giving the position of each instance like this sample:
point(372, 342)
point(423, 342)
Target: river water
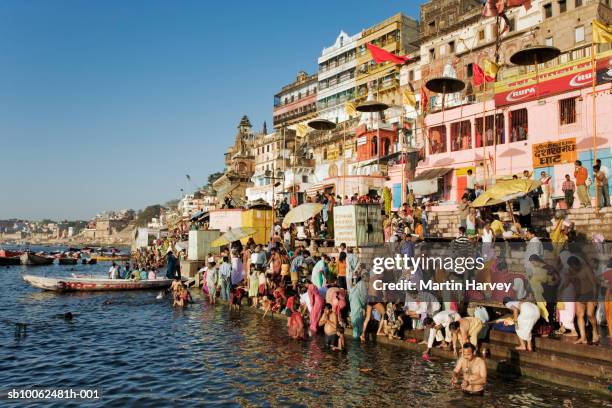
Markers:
point(138, 351)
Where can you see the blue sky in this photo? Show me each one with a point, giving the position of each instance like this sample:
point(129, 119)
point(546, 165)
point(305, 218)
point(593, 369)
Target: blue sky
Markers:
point(108, 104)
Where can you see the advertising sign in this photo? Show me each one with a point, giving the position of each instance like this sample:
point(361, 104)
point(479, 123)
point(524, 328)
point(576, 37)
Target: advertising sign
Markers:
point(558, 79)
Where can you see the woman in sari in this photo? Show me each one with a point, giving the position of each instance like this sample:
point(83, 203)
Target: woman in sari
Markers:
point(358, 298)
point(295, 324)
point(316, 300)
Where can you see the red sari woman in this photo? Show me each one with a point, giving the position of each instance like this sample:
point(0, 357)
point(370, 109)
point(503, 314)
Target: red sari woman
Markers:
point(317, 302)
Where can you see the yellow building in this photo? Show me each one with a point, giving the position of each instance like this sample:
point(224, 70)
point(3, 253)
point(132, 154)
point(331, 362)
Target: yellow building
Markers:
point(397, 35)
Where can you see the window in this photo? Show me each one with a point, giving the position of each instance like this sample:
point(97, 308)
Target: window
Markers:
point(548, 10)
point(437, 139)
point(579, 34)
point(490, 129)
point(578, 3)
point(304, 178)
point(481, 35)
point(567, 111)
point(432, 54)
point(519, 129)
point(470, 70)
point(461, 135)
point(374, 147)
point(562, 6)
point(411, 75)
point(549, 41)
point(451, 47)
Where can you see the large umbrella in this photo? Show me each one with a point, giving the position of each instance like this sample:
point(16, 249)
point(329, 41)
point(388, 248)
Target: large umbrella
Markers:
point(505, 191)
point(301, 213)
point(235, 234)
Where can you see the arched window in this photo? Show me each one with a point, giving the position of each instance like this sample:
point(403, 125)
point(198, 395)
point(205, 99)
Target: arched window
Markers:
point(386, 146)
point(374, 148)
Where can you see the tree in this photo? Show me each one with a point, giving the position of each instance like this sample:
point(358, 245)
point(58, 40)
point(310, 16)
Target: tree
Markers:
point(214, 177)
point(145, 216)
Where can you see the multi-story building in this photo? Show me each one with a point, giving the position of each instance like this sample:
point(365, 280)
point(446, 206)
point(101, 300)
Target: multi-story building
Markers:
point(296, 102)
point(520, 123)
point(397, 35)
point(337, 77)
point(201, 200)
point(239, 166)
point(278, 166)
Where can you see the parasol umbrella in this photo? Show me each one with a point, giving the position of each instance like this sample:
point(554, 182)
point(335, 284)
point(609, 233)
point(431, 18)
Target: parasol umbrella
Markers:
point(235, 234)
point(301, 213)
point(505, 191)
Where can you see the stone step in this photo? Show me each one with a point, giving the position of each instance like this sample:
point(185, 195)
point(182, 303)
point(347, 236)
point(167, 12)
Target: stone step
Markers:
point(572, 380)
point(559, 346)
point(597, 369)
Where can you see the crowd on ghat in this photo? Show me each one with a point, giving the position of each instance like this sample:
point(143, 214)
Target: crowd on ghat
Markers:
point(328, 291)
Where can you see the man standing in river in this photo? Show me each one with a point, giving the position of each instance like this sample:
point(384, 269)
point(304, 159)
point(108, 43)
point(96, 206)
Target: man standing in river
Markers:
point(474, 371)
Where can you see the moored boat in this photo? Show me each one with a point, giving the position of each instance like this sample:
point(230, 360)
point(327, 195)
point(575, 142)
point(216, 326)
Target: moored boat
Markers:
point(111, 258)
point(67, 261)
point(9, 260)
point(85, 283)
point(30, 258)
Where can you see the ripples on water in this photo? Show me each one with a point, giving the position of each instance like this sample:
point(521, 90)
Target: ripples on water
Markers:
point(140, 352)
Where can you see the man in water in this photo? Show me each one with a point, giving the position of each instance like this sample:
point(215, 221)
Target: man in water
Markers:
point(474, 371)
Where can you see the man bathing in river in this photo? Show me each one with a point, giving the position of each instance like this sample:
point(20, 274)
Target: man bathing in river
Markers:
point(334, 337)
point(474, 371)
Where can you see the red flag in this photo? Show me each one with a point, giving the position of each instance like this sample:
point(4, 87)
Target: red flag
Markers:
point(379, 55)
point(424, 100)
point(479, 76)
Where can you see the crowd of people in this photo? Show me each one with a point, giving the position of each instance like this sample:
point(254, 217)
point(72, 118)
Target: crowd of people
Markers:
point(327, 292)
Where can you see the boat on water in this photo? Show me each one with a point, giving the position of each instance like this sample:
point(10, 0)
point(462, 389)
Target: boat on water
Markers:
point(93, 283)
point(32, 259)
point(67, 261)
point(9, 260)
point(87, 261)
point(109, 258)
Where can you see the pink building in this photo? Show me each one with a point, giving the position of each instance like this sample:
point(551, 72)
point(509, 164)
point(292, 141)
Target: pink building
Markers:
point(541, 126)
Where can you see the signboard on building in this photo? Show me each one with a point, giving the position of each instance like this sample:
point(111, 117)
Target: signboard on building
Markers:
point(344, 225)
point(361, 140)
point(558, 79)
point(225, 219)
point(552, 153)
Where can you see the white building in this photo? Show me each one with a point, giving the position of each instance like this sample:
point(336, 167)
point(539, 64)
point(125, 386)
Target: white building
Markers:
point(336, 77)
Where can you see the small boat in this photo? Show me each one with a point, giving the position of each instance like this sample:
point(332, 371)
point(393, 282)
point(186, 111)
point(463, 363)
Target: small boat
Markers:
point(30, 258)
point(110, 258)
point(67, 261)
point(9, 260)
point(88, 261)
point(86, 284)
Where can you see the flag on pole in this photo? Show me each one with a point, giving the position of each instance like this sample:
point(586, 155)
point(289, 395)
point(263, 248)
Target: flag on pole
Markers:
point(350, 109)
point(602, 33)
point(379, 55)
point(424, 100)
point(490, 69)
point(301, 129)
point(408, 97)
point(480, 76)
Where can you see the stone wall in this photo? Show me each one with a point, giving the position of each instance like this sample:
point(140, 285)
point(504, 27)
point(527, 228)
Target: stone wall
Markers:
point(587, 221)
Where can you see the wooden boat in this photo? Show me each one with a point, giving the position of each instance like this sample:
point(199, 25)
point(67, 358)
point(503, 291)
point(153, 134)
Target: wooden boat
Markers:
point(94, 283)
point(9, 260)
point(9, 254)
point(88, 261)
point(109, 258)
point(67, 261)
point(30, 258)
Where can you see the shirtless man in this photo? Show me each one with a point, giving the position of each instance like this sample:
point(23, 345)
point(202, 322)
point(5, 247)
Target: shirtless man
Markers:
point(329, 321)
point(465, 330)
point(474, 371)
